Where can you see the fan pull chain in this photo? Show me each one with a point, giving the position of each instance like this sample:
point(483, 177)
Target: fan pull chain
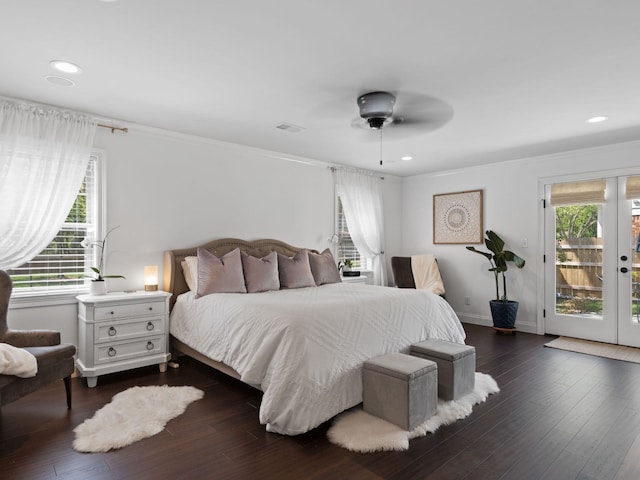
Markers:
point(380, 146)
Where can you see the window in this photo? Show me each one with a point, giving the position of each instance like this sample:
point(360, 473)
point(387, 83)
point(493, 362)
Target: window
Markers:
point(346, 249)
point(63, 265)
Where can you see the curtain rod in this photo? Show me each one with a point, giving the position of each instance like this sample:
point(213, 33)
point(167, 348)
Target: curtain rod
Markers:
point(113, 129)
point(357, 170)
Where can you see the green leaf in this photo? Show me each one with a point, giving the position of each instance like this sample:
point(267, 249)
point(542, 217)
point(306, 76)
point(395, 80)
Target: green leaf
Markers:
point(494, 242)
point(485, 254)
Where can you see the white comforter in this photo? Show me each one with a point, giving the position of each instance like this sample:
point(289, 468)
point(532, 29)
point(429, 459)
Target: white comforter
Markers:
point(305, 348)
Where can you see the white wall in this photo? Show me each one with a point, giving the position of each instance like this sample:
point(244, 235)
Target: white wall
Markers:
point(511, 207)
point(169, 191)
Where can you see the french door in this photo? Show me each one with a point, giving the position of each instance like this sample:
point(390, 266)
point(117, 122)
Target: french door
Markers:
point(592, 260)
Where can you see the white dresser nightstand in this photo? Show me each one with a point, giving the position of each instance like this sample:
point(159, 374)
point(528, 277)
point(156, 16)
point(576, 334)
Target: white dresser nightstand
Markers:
point(120, 331)
point(359, 279)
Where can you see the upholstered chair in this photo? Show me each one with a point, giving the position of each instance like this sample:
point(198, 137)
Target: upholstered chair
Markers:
point(55, 360)
point(403, 273)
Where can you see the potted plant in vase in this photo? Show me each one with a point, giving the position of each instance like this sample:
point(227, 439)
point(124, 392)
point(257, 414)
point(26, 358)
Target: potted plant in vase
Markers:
point(98, 285)
point(503, 310)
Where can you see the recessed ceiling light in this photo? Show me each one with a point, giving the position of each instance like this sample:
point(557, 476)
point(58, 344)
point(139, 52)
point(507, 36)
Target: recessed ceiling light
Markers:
point(60, 81)
point(406, 158)
point(64, 66)
point(598, 119)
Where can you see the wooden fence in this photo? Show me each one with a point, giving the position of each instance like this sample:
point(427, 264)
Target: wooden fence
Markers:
point(579, 267)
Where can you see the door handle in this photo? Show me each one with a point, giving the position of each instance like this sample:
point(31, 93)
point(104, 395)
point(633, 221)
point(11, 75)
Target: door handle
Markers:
point(624, 258)
point(624, 269)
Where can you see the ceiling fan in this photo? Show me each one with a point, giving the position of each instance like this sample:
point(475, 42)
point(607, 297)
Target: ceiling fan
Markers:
point(419, 113)
point(377, 108)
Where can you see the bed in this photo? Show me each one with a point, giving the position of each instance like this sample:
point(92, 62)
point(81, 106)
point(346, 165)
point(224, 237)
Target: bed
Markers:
point(303, 348)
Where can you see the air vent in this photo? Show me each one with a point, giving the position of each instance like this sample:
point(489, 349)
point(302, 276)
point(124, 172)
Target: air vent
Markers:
point(288, 127)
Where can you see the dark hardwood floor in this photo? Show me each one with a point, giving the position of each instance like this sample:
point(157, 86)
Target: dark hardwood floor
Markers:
point(560, 415)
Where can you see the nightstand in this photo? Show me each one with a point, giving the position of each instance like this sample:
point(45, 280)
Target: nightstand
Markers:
point(359, 279)
point(120, 331)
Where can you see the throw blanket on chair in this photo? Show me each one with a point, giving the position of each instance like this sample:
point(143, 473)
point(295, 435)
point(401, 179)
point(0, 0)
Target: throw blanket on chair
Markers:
point(17, 361)
point(426, 274)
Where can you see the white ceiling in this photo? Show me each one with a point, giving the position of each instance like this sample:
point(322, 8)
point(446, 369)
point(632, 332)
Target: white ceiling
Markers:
point(521, 76)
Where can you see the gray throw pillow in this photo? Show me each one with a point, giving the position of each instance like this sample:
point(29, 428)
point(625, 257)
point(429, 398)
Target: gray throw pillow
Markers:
point(324, 268)
point(295, 271)
point(261, 274)
point(219, 275)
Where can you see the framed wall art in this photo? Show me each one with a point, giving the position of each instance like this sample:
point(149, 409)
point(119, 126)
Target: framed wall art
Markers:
point(457, 217)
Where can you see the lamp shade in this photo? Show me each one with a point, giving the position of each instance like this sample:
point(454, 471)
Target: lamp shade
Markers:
point(151, 278)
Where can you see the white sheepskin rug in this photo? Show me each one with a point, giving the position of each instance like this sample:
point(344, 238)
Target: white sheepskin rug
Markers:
point(132, 415)
point(359, 431)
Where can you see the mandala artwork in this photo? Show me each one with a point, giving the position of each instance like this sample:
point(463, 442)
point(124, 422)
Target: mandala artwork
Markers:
point(457, 217)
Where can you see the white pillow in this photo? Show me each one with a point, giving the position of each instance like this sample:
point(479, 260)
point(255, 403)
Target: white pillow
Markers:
point(190, 272)
point(17, 361)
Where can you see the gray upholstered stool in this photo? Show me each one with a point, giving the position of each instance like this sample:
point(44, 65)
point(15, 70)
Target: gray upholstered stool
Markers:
point(400, 389)
point(456, 366)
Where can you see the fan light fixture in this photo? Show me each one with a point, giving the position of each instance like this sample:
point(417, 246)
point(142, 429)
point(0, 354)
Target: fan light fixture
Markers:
point(376, 108)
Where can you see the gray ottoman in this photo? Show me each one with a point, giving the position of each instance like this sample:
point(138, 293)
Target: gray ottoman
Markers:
point(400, 389)
point(456, 366)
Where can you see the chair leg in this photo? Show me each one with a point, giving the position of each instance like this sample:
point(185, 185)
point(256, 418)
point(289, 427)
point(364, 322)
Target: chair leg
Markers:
point(67, 387)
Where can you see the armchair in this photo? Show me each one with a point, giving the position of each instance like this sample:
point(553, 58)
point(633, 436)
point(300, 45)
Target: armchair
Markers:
point(55, 360)
point(428, 276)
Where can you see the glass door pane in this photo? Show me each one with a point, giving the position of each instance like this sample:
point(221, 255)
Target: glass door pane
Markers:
point(629, 262)
point(580, 263)
point(579, 251)
point(635, 264)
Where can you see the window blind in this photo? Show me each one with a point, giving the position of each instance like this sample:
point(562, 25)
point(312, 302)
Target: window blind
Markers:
point(591, 191)
point(64, 263)
point(346, 249)
point(633, 187)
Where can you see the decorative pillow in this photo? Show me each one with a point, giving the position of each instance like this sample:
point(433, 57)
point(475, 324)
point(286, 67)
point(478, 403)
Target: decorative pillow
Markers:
point(324, 268)
point(260, 274)
point(219, 275)
point(295, 272)
point(190, 272)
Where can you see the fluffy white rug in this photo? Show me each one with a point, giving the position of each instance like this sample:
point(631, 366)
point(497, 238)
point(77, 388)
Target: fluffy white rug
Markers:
point(359, 431)
point(132, 415)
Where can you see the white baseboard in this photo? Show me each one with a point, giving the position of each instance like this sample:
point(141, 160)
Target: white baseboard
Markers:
point(485, 321)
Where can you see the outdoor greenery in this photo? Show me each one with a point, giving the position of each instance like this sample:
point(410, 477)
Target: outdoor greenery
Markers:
point(576, 221)
point(577, 305)
point(580, 305)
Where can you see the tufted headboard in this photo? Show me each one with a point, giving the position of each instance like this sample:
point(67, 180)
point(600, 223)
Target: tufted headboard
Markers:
point(174, 281)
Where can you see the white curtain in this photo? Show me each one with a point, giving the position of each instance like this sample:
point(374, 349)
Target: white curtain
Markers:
point(43, 158)
point(361, 195)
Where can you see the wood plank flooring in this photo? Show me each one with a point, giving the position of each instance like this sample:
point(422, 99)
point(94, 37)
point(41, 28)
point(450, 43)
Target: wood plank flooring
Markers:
point(559, 415)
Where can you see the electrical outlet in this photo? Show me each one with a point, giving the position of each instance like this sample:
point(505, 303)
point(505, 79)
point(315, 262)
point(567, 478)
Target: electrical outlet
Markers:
point(467, 300)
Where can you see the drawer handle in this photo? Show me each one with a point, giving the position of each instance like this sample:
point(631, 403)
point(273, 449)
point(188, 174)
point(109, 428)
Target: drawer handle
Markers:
point(150, 308)
point(150, 326)
point(112, 312)
point(111, 352)
point(112, 331)
point(150, 345)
